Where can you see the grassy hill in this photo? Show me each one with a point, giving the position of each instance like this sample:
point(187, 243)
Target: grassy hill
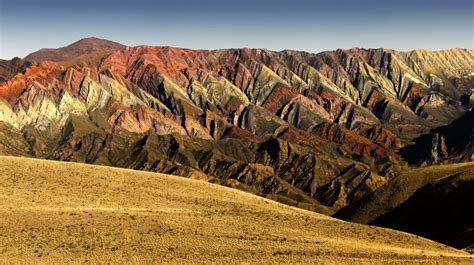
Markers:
point(68, 212)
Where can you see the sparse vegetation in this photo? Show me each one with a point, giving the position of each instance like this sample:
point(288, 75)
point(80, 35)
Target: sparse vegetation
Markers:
point(84, 213)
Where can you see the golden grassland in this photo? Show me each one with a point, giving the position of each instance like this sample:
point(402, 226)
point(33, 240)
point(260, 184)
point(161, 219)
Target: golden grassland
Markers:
point(67, 212)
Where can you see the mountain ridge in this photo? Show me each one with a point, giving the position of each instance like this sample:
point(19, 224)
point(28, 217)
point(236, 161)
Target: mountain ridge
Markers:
point(90, 41)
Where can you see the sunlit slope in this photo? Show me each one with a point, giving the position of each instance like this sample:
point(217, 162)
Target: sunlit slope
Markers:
point(64, 212)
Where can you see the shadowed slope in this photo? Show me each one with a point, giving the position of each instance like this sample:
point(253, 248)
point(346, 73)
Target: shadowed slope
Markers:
point(435, 202)
point(440, 210)
point(447, 144)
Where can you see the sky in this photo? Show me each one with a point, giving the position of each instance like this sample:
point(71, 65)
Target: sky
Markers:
point(309, 25)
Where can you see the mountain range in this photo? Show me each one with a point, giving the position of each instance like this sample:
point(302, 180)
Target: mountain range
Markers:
point(324, 132)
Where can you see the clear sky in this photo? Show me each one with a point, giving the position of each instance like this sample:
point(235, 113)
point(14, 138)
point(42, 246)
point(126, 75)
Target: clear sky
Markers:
point(310, 25)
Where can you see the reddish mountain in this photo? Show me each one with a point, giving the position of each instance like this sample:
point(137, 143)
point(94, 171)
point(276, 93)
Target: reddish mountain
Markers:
point(318, 131)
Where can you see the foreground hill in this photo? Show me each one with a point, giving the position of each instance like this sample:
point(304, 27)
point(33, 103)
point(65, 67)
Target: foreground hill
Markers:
point(435, 202)
point(64, 212)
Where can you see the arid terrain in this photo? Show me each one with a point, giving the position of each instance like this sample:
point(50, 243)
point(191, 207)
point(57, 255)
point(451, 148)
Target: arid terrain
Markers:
point(70, 212)
point(378, 137)
point(224, 132)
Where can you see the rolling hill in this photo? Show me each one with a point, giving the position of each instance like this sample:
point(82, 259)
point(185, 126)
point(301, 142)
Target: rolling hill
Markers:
point(69, 212)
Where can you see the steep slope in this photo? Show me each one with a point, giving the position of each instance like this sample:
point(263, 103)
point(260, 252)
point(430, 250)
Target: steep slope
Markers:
point(85, 52)
point(79, 213)
point(435, 202)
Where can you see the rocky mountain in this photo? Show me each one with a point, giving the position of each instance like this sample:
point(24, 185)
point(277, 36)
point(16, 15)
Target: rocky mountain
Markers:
point(318, 131)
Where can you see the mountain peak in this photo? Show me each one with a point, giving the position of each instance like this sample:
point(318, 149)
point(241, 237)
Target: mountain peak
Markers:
point(96, 42)
point(86, 51)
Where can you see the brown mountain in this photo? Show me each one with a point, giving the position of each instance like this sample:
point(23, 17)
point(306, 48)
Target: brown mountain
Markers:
point(85, 52)
point(318, 131)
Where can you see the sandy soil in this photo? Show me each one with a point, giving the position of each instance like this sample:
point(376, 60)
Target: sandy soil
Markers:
point(67, 212)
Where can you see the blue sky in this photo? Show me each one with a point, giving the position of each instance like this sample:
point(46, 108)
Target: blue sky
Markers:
point(28, 25)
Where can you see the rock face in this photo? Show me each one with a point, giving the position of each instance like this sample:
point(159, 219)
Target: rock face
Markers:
point(319, 131)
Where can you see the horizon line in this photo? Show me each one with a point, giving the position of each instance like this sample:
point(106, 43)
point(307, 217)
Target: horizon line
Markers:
point(236, 48)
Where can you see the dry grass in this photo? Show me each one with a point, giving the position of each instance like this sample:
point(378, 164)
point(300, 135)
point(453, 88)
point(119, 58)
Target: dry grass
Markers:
point(67, 212)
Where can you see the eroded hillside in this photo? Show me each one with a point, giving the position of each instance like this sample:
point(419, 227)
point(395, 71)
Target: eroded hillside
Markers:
point(318, 131)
